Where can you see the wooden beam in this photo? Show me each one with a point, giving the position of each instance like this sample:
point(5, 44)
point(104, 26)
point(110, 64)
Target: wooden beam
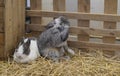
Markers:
point(102, 46)
point(95, 32)
point(81, 30)
point(74, 15)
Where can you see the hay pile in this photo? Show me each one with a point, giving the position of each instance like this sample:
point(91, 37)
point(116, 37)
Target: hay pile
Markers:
point(87, 64)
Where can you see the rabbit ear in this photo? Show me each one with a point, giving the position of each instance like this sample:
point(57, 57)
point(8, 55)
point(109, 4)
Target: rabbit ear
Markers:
point(49, 25)
point(28, 42)
point(26, 47)
point(55, 17)
point(23, 38)
point(59, 16)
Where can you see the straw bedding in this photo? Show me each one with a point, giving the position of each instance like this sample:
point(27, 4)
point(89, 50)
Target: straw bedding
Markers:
point(85, 64)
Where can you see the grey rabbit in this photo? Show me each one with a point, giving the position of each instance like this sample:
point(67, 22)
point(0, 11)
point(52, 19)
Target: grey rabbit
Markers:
point(55, 35)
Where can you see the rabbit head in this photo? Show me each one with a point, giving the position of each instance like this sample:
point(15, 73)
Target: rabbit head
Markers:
point(26, 51)
point(60, 21)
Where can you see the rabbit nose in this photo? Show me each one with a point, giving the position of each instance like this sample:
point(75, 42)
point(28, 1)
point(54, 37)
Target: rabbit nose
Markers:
point(20, 57)
point(63, 19)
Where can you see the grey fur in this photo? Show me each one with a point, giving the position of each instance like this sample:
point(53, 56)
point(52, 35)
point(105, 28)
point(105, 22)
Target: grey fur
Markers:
point(54, 36)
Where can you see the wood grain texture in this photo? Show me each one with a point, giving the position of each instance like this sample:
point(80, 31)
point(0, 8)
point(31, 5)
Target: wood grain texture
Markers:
point(1, 19)
point(2, 52)
point(1, 12)
point(83, 6)
point(2, 45)
point(59, 5)
point(1, 25)
point(2, 3)
point(14, 24)
point(74, 15)
point(36, 5)
point(2, 42)
point(110, 8)
point(86, 44)
point(110, 25)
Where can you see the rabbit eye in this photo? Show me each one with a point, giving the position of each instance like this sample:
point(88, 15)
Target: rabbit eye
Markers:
point(54, 23)
point(60, 23)
point(16, 50)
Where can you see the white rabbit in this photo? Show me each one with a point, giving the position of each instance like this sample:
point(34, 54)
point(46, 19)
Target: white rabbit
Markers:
point(26, 51)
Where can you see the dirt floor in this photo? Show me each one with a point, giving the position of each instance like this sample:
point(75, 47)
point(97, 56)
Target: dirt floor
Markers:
point(83, 64)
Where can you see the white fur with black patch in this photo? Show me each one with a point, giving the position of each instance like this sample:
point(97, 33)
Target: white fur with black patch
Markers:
point(22, 58)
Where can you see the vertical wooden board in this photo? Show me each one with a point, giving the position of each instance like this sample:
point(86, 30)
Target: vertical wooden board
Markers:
point(59, 5)
point(1, 45)
point(110, 8)
point(83, 6)
point(1, 12)
point(36, 5)
point(14, 23)
point(8, 26)
point(21, 20)
point(1, 19)
point(1, 27)
point(2, 39)
point(1, 52)
point(1, 3)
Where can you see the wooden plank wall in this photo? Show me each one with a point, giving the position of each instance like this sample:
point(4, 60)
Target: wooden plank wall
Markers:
point(83, 30)
point(14, 19)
